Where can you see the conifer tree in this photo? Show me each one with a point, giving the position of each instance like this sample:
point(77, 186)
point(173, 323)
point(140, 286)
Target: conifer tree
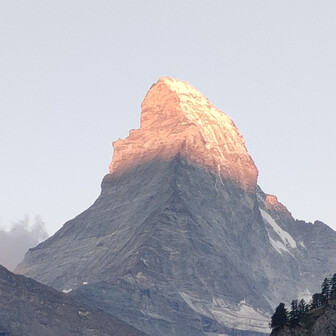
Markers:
point(325, 290)
point(317, 300)
point(302, 308)
point(294, 313)
point(280, 317)
point(333, 285)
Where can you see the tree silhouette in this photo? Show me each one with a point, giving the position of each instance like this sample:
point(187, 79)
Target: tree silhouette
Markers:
point(280, 317)
point(325, 290)
point(299, 308)
point(317, 300)
point(294, 314)
point(302, 308)
point(333, 285)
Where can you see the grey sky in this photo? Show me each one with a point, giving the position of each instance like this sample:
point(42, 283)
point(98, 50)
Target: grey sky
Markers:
point(74, 73)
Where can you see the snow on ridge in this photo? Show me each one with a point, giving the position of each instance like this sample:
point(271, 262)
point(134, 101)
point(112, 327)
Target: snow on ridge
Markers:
point(285, 241)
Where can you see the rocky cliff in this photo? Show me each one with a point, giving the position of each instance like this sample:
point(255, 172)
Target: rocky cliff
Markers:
point(181, 240)
point(29, 308)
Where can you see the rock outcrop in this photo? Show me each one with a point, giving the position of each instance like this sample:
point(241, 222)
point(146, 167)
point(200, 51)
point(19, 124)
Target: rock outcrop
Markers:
point(31, 309)
point(318, 322)
point(181, 240)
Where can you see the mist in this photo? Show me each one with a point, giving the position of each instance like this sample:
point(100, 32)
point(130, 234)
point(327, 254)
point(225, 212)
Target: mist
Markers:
point(22, 235)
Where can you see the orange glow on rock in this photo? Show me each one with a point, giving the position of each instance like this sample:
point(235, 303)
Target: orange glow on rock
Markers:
point(272, 204)
point(176, 119)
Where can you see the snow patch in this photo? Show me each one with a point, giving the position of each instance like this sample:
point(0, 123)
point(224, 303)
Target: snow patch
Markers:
point(279, 246)
point(196, 304)
point(285, 241)
point(240, 317)
point(302, 244)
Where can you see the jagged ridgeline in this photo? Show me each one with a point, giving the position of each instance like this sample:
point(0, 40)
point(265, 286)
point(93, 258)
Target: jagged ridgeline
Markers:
point(315, 318)
point(182, 240)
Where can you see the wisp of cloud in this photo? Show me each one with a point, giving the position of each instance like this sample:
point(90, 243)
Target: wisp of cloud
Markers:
point(22, 235)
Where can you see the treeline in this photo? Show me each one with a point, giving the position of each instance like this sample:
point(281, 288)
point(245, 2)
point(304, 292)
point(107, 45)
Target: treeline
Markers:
point(299, 309)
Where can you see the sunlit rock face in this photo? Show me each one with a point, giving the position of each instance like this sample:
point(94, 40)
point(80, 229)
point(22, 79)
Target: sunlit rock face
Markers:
point(176, 119)
point(272, 204)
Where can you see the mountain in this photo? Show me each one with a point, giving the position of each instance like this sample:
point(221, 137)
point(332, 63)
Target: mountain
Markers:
point(30, 308)
point(182, 240)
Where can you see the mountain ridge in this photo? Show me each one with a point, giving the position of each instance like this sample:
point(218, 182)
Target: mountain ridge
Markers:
point(30, 308)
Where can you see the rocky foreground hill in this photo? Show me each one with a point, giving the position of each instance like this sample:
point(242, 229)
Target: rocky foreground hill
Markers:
point(181, 240)
point(28, 308)
point(318, 322)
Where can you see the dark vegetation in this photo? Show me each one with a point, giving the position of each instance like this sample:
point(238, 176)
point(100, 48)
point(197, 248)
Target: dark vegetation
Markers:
point(299, 309)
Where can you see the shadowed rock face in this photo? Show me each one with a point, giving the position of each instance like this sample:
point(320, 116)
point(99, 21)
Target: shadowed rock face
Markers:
point(181, 240)
point(30, 308)
point(170, 246)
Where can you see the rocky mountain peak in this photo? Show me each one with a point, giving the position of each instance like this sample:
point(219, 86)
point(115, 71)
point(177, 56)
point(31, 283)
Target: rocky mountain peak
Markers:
point(179, 242)
point(272, 204)
point(176, 119)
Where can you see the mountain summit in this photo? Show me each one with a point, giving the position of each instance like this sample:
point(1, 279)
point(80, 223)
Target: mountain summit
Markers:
point(176, 119)
point(181, 240)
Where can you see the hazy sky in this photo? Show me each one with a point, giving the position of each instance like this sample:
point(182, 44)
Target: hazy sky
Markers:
point(73, 75)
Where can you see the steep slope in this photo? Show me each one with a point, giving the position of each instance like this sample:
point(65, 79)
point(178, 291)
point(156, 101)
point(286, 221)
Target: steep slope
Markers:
point(182, 234)
point(312, 245)
point(30, 308)
point(181, 240)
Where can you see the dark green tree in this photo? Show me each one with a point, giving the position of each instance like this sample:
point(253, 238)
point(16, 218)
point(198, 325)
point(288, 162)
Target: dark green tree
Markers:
point(302, 307)
point(294, 314)
point(280, 317)
point(333, 285)
point(317, 300)
point(325, 290)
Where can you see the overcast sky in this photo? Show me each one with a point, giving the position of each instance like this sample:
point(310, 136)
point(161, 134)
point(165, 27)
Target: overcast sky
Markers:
point(73, 75)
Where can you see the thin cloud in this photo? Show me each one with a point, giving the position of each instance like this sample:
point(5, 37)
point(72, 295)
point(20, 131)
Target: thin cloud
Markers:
point(22, 235)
